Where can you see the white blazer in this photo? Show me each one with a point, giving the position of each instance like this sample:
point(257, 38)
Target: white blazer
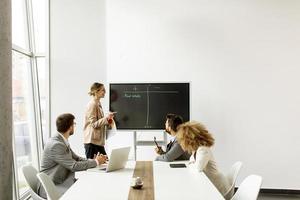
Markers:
point(206, 163)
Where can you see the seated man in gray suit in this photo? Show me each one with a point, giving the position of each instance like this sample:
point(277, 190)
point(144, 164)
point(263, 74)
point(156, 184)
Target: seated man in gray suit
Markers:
point(173, 150)
point(59, 161)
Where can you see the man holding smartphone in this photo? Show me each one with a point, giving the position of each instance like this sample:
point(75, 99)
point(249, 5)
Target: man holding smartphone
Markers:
point(173, 150)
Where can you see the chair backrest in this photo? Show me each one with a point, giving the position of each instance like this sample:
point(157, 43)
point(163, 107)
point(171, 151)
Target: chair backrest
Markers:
point(233, 172)
point(30, 176)
point(231, 178)
point(49, 186)
point(249, 188)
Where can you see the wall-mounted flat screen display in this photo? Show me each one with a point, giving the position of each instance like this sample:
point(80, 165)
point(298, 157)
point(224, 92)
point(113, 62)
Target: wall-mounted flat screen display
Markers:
point(145, 105)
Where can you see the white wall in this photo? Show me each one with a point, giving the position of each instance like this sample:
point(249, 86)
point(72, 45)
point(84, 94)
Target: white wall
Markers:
point(77, 58)
point(240, 57)
point(242, 60)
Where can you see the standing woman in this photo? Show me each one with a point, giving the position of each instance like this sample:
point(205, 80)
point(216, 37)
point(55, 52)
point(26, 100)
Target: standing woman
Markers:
point(95, 123)
point(195, 138)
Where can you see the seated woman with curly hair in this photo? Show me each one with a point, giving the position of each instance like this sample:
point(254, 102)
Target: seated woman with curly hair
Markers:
point(195, 139)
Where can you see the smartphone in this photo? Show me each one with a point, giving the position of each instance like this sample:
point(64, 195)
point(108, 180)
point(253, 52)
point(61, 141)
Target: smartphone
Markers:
point(177, 165)
point(156, 142)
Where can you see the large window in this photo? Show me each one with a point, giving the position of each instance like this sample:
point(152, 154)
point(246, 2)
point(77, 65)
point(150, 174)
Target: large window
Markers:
point(30, 92)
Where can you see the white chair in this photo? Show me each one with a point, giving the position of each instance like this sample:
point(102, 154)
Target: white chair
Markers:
point(49, 186)
point(30, 176)
point(249, 188)
point(231, 178)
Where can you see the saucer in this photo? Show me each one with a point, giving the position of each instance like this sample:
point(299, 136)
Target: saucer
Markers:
point(138, 186)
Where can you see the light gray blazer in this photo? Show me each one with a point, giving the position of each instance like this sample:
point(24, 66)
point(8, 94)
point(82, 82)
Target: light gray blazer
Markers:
point(60, 162)
point(173, 152)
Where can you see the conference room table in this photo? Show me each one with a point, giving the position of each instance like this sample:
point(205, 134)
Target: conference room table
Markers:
point(160, 182)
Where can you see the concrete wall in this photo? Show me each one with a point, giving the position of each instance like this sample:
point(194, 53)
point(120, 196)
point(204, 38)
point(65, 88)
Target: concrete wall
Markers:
point(6, 155)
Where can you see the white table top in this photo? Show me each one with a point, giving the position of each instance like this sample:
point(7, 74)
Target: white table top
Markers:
point(182, 183)
point(169, 183)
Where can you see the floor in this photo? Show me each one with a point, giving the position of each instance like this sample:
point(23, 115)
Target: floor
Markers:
point(272, 197)
point(277, 197)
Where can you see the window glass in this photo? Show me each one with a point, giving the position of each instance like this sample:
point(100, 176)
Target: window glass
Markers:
point(41, 68)
point(19, 24)
point(26, 109)
point(23, 115)
point(39, 23)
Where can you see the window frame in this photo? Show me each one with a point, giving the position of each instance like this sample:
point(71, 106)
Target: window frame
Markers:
point(32, 55)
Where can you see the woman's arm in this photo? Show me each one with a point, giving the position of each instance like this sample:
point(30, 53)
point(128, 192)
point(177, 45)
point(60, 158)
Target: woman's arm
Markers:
point(202, 158)
point(92, 118)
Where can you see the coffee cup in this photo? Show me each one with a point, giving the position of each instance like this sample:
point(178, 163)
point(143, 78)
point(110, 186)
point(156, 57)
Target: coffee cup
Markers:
point(136, 182)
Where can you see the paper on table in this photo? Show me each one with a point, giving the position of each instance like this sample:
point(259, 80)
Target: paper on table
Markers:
point(112, 131)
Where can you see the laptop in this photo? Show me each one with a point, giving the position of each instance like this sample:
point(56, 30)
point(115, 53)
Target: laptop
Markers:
point(117, 160)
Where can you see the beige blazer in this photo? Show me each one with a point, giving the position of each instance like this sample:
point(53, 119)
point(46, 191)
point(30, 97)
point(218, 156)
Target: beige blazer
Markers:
point(206, 163)
point(95, 124)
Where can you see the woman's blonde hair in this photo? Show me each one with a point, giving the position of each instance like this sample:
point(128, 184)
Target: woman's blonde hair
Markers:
point(94, 88)
point(192, 135)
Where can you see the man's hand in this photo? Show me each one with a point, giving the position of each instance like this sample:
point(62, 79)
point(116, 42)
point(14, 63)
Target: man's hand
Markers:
point(106, 158)
point(159, 150)
point(101, 158)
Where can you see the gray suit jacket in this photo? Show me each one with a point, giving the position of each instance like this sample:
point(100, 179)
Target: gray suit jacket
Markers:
point(173, 152)
point(60, 162)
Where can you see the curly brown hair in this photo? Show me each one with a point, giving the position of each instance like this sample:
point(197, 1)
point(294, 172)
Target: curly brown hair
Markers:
point(191, 135)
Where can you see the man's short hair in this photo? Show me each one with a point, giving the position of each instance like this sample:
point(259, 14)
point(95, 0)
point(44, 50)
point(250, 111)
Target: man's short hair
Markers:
point(174, 121)
point(64, 122)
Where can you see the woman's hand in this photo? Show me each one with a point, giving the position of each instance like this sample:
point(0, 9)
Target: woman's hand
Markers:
point(191, 162)
point(110, 117)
